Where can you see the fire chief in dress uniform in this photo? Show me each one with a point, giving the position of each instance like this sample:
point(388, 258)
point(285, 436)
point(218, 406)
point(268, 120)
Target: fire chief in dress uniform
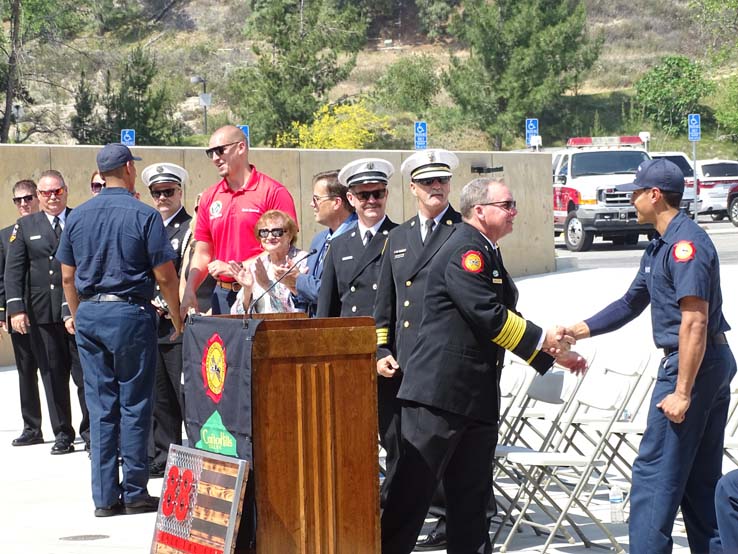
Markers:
point(351, 268)
point(31, 268)
point(165, 182)
point(409, 252)
point(449, 390)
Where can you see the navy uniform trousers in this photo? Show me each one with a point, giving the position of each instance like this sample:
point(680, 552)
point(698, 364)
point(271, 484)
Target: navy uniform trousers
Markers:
point(117, 348)
point(726, 506)
point(678, 465)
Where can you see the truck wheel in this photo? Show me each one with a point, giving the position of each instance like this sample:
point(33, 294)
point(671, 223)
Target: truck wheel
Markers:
point(733, 211)
point(718, 216)
point(575, 237)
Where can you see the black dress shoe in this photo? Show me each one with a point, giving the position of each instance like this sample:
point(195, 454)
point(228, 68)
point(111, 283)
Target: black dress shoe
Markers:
point(108, 511)
point(28, 438)
point(62, 446)
point(156, 471)
point(434, 541)
point(142, 506)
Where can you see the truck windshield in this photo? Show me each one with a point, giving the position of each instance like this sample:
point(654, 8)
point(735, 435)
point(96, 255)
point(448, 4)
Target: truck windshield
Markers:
point(606, 162)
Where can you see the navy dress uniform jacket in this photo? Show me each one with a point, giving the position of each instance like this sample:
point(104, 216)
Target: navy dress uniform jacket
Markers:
point(31, 256)
point(351, 273)
point(404, 271)
point(4, 244)
point(177, 234)
point(468, 323)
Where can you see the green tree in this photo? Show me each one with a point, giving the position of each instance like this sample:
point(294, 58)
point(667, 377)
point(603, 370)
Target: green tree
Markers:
point(726, 106)
point(299, 58)
point(409, 84)
point(434, 15)
point(25, 24)
point(523, 55)
point(138, 103)
point(672, 90)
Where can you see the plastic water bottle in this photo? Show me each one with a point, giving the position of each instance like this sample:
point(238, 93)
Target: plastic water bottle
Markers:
point(625, 415)
point(616, 505)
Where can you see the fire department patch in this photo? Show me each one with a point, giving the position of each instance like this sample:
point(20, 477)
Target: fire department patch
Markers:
point(683, 251)
point(214, 367)
point(472, 261)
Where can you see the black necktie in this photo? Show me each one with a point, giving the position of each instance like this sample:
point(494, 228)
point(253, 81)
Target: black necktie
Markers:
point(430, 224)
point(57, 226)
point(368, 237)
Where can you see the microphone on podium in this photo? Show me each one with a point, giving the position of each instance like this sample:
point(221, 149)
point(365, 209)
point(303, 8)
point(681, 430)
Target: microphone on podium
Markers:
point(274, 284)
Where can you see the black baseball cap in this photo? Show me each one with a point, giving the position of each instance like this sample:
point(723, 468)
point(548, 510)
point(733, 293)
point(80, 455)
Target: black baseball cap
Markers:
point(661, 174)
point(114, 155)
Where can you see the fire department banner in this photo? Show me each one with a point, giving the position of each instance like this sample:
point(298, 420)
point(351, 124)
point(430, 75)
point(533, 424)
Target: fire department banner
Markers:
point(217, 384)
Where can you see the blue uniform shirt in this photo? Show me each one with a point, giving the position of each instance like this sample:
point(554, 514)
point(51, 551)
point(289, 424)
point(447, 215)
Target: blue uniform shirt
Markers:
point(683, 262)
point(115, 241)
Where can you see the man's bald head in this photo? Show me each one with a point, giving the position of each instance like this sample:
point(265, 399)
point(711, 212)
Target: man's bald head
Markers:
point(227, 135)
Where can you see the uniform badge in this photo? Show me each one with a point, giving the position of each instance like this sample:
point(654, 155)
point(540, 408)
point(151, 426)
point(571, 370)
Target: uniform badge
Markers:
point(683, 251)
point(495, 273)
point(472, 261)
point(15, 233)
point(215, 208)
point(175, 244)
point(214, 367)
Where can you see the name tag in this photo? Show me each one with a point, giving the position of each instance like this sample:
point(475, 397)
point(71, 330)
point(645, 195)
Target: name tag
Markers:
point(347, 258)
point(34, 237)
point(251, 210)
point(397, 256)
point(399, 251)
point(496, 281)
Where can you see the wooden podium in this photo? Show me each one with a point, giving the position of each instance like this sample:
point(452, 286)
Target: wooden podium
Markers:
point(314, 409)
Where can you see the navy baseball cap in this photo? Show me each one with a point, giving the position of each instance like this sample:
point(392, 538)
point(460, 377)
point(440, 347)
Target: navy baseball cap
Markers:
point(661, 174)
point(114, 155)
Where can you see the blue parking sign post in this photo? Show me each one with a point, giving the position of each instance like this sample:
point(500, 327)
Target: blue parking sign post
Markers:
point(421, 135)
point(246, 131)
point(128, 137)
point(694, 131)
point(694, 124)
point(531, 129)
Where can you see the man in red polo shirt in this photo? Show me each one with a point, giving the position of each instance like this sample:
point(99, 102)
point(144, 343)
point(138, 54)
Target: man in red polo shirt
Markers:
point(226, 217)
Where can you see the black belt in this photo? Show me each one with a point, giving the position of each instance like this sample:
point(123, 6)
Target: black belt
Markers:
point(720, 338)
point(113, 298)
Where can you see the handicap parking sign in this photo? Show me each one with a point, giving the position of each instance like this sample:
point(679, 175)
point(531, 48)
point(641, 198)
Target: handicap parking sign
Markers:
point(421, 135)
point(694, 125)
point(128, 137)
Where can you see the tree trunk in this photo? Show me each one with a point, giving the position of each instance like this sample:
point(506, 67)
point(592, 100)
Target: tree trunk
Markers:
point(10, 87)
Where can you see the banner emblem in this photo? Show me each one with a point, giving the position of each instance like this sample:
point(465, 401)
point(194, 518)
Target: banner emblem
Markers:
point(214, 367)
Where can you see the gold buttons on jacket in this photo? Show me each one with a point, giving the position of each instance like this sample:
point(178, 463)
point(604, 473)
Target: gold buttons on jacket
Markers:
point(408, 283)
point(353, 288)
point(406, 303)
point(406, 324)
point(353, 309)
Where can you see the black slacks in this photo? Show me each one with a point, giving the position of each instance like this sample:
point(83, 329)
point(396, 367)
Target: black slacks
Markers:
point(30, 402)
point(439, 445)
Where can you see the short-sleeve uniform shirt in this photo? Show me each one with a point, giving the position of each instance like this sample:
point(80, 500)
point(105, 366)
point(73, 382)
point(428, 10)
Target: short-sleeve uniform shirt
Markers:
point(226, 218)
point(683, 262)
point(115, 241)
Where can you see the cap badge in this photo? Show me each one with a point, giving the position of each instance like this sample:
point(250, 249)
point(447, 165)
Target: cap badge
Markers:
point(683, 251)
point(431, 157)
point(159, 169)
point(472, 261)
point(370, 166)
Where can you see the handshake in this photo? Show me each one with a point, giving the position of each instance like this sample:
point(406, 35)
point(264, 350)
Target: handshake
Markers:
point(557, 342)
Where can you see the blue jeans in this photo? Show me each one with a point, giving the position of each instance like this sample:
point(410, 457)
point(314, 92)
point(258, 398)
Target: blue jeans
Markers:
point(117, 350)
point(726, 506)
point(678, 465)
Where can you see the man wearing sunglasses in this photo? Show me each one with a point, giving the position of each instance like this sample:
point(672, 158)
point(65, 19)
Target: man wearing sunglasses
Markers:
point(35, 298)
point(400, 297)
point(226, 218)
point(331, 209)
point(450, 388)
point(351, 272)
point(25, 199)
point(165, 182)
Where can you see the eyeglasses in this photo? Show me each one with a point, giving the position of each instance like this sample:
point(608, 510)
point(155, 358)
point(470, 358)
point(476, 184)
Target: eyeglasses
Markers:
point(506, 205)
point(28, 198)
point(219, 150)
point(96, 187)
point(276, 233)
point(317, 199)
point(167, 193)
point(429, 181)
point(48, 193)
point(365, 195)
